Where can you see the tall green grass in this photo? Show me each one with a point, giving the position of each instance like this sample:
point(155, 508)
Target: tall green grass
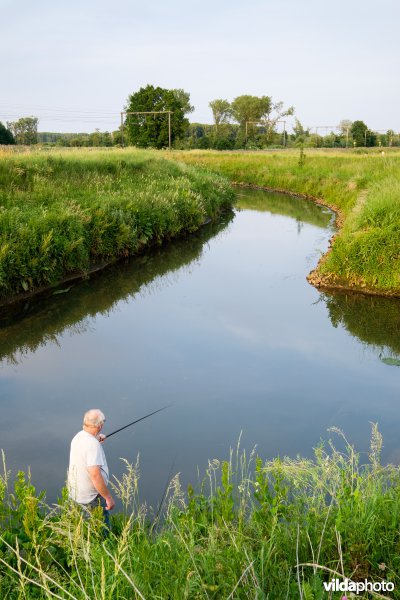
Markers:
point(251, 529)
point(363, 187)
point(60, 213)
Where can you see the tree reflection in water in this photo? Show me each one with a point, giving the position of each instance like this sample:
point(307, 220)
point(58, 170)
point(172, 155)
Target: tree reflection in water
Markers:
point(373, 320)
point(26, 327)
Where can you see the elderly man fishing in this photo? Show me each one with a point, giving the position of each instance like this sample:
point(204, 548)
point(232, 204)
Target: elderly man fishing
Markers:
point(88, 470)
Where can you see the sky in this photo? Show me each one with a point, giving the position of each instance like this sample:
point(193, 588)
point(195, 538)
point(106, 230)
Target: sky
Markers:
point(73, 64)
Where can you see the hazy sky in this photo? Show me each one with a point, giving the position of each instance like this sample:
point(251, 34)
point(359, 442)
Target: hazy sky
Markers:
point(73, 64)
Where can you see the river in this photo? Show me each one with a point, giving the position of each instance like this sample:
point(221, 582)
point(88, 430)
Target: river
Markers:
point(224, 327)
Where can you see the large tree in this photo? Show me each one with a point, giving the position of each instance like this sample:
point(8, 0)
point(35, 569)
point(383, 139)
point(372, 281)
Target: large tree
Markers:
point(25, 130)
point(221, 110)
point(152, 130)
point(359, 132)
point(250, 108)
point(261, 110)
point(6, 137)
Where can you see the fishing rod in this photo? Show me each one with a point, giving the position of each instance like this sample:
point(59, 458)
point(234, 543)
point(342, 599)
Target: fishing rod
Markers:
point(137, 421)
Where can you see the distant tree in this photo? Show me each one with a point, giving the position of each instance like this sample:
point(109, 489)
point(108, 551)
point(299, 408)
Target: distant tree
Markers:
point(316, 140)
point(6, 137)
point(63, 142)
point(345, 126)
point(25, 130)
point(221, 110)
point(117, 137)
point(79, 140)
point(107, 139)
point(390, 137)
point(152, 130)
point(299, 130)
point(259, 109)
point(359, 132)
point(300, 134)
point(100, 138)
point(224, 143)
point(332, 140)
point(250, 108)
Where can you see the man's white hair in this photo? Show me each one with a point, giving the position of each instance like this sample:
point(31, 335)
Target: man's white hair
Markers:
point(93, 418)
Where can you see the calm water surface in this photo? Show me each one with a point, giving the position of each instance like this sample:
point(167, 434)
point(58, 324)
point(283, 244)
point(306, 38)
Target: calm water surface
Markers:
point(225, 327)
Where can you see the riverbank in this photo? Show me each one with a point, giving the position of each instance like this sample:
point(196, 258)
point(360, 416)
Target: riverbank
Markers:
point(363, 188)
point(65, 213)
point(275, 529)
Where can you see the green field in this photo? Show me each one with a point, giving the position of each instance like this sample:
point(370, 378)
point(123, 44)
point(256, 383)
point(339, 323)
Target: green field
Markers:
point(61, 213)
point(364, 189)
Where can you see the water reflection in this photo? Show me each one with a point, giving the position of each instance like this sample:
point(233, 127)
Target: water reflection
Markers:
point(275, 203)
point(372, 320)
point(224, 326)
point(39, 321)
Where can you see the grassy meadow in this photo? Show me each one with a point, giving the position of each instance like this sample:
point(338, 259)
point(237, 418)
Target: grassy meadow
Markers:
point(272, 530)
point(63, 212)
point(362, 186)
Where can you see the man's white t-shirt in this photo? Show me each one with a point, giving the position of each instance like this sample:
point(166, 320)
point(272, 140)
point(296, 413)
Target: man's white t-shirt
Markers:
point(86, 451)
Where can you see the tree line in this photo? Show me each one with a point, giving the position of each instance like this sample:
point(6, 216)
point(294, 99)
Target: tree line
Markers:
point(156, 117)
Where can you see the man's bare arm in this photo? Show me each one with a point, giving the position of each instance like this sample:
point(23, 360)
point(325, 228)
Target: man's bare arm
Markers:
point(99, 484)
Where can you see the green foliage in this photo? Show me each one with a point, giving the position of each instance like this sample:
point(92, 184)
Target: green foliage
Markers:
point(151, 130)
point(249, 111)
point(275, 530)
point(60, 214)
point(363, 188)
point(24, 130)
point(250, 108)
point(221, 110)
point(80, 140)
point(6, 137)
point(358, 131)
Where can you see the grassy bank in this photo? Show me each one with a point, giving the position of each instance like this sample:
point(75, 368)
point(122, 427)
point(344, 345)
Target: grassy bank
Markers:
point(63, 212)
point(252, 529)
point(364, 188)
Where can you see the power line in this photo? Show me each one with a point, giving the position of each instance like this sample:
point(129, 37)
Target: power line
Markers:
point(61, 109)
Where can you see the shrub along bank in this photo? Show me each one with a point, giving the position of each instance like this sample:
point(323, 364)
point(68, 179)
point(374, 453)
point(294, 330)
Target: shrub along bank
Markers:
point(277, 529)
point(62, 213)
point(364, 188)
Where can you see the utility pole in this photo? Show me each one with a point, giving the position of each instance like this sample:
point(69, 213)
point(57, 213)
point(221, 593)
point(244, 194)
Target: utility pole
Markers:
point(147, 112)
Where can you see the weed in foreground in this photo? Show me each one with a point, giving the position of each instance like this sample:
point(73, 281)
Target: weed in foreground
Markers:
point(251, 529)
